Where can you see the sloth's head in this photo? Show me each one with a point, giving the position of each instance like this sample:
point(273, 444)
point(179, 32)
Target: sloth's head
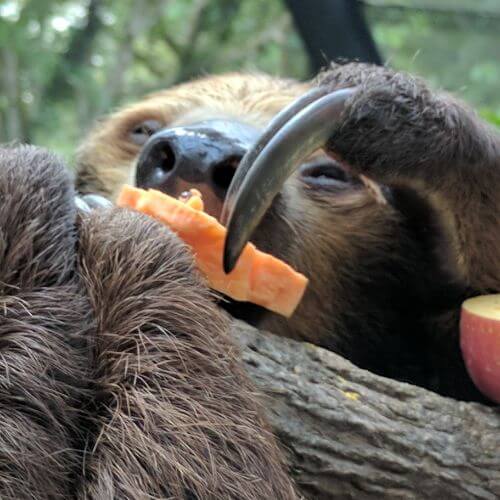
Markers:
point(360, 255)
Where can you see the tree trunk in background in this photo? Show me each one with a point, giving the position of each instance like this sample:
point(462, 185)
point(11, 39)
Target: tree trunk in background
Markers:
point(352, 434)
point(13, 122)
point(143, 17)
point(76, 55)
point(2, 127)
point(333, 30)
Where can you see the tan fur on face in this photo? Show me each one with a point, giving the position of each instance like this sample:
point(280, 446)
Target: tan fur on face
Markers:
point(106, 160)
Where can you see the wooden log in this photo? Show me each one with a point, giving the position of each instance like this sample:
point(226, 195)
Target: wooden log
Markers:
point(352, 434)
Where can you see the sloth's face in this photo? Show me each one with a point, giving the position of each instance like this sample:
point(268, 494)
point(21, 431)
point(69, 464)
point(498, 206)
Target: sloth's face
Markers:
point(205, 153)
point(195, 135)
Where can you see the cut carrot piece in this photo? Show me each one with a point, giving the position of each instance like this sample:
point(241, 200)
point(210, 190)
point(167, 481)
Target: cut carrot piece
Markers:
point(258, 277)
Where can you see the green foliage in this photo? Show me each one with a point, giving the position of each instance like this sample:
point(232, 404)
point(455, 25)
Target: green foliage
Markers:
point(66, 62)
point(452, 44)
point(77, 59)
point(491, 116)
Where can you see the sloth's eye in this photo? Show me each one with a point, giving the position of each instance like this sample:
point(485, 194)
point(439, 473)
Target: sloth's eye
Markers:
point(144, 130)
point(324, 173)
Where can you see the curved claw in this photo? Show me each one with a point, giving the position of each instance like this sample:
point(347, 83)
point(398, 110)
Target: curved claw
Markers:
point(272, 160)
point(276, 124)
point(81, 205)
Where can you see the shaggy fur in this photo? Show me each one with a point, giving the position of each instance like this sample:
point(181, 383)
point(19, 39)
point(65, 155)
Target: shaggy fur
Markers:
point(117, 376)
point(397, 132)
point(386, 281)
point(174, 415)
point(43, 329)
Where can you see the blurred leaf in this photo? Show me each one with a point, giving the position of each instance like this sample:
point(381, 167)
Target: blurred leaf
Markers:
point(491, 116)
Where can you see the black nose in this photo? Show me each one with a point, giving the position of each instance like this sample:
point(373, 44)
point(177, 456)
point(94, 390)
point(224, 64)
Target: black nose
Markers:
point(205, 155)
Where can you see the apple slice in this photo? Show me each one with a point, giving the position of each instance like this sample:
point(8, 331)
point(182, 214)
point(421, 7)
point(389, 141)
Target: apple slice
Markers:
point(480, 342)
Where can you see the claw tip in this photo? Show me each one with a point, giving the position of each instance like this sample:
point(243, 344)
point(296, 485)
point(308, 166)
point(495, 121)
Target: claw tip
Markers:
point(228, 261)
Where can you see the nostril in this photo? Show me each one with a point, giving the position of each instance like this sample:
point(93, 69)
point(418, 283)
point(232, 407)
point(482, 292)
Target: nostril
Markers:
point(224, 172)
point(165, 158)
point(155, 165)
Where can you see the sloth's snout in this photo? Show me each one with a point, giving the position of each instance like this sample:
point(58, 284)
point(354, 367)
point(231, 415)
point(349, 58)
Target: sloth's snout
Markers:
point(204, 156)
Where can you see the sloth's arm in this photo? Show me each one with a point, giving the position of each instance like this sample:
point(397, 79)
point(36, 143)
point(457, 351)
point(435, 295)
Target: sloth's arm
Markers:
point(43, 323)
point(395, 129)
point(175, 415)
point(117, 376)
point(398, 132)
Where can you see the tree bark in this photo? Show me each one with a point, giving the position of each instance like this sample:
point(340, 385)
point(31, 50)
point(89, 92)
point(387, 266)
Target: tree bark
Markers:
point(352, 434)
point(142, 17)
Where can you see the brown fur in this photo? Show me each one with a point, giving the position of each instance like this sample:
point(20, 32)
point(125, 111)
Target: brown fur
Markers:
point(386, 280)
point(118, 377)
point(175, 415)
point(43, 329)
point(400, 133)
point(440, 149)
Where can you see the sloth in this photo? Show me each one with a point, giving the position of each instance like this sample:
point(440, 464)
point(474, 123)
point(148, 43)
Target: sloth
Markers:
point(119, 375)
point(393, 217)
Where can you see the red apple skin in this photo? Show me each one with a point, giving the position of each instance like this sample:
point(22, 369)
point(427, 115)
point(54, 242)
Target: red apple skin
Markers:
point(480, 344)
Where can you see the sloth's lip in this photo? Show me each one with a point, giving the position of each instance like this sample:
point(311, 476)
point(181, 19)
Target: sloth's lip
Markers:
point(296, 132)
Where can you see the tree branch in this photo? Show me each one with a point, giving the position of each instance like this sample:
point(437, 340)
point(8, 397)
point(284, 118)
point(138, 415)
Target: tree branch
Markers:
point(159, 73)
point(352, 434)
point(183, 49)
point(143, 16)
point(173, 45)
point(272, 34)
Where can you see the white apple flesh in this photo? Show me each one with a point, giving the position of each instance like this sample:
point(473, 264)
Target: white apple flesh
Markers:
point(480, 343)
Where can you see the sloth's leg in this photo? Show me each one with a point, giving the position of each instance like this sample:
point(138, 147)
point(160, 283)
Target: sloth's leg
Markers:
point(175, 415)
point(43, 318)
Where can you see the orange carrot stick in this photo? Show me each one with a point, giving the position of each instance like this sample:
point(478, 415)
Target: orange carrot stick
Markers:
point(258, 277)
